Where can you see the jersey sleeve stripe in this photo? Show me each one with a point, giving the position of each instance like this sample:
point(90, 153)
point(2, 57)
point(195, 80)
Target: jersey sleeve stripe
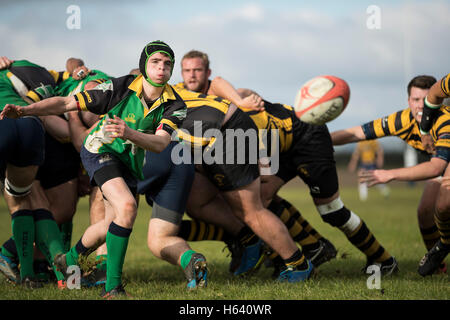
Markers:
point(82, 102)
point(445, 84)
point(33, 96)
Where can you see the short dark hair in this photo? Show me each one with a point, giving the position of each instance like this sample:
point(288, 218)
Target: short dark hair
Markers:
point(422, 82)
point(197, 54)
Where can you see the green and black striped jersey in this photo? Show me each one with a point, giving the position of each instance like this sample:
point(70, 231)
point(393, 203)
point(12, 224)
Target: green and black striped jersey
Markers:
point(30, 80)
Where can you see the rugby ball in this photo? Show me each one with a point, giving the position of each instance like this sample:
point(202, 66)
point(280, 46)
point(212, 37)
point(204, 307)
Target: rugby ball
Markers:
point(321, 99)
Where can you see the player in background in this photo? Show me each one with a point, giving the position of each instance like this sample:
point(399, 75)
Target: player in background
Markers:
point(435, 123)
point(113, 154)
point(405, 125)
point(368, 155)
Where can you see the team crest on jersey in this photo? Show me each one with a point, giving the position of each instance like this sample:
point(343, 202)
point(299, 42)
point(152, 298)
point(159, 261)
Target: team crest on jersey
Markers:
point(104, 86)
point(131, 118)
point(180, 114)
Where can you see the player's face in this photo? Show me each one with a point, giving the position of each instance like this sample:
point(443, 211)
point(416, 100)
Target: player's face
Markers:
point(159, 67)
point(415, 102)
point(194, 73)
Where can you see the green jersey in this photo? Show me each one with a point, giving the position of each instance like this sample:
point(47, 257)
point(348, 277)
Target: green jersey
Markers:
point(122, 97)
point(25, 82)
point(70, 86)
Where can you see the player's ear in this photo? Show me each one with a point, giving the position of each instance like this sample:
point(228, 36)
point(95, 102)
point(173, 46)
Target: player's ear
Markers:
point(209, 73)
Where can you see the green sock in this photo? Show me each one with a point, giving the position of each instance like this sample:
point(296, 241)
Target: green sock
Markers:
point(23, 232)
point(116, 242)
point(101, 259)
point(48, 237)
point(185, 258)
point(66, 234)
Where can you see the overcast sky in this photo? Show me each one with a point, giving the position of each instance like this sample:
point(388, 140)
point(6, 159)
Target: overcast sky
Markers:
point(271, 46)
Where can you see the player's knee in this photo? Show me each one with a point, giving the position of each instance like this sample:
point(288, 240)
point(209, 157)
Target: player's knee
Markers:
point(335, 213)
point(443, 208)
point(16, 191)
point(128, 207)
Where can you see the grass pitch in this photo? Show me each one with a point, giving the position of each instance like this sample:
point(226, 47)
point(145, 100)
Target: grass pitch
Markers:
point(392, 220)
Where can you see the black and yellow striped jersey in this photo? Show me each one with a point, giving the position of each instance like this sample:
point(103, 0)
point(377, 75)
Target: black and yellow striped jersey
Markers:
point(281, 117)
point(445, 85)
point(203, 112)
point(403, 125)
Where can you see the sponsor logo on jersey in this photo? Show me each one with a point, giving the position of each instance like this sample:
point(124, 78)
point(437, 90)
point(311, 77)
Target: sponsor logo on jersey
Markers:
point(131, 118)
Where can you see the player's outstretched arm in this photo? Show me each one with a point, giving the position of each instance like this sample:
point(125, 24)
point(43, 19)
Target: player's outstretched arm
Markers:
point(46, 107)
point(349, 135)
point(222, 88)
point(154, 142)
point(423, 171)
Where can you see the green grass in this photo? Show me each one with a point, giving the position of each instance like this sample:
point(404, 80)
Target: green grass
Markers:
point(392, 220)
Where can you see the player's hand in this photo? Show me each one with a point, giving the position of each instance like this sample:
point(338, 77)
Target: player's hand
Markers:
point(253, 102)
point(373, 177)
point(5, 63)
point(11, 111)
point(117, 128)
point(80, 73)
point(428, 144)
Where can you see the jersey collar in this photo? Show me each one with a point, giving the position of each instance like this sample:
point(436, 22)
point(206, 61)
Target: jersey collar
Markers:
point(166, 95)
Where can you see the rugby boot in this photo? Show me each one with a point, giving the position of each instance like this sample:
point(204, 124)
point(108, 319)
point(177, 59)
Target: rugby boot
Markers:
point(196, 272)
point(433, 259)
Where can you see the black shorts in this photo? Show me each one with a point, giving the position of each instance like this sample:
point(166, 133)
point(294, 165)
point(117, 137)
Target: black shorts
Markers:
point(237, 165)
point(311, 157)
point(21, 142)
point(61, 164)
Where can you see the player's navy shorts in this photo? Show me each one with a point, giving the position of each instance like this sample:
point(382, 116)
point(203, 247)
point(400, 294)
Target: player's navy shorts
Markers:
point(22, 142)
point(102, 167)
point(311, 157)
point(61, 164)
point(166, 183)
point(239, 172)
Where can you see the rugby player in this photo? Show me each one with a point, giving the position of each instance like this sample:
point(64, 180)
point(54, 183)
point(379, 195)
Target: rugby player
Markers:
point(438, 126)
point(141, 113)
point(238, 184)
point(300, 155)
point(405, 125)
point(368, 155)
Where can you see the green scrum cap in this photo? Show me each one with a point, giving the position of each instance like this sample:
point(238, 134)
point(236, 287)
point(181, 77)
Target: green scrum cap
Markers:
point(149, 50)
